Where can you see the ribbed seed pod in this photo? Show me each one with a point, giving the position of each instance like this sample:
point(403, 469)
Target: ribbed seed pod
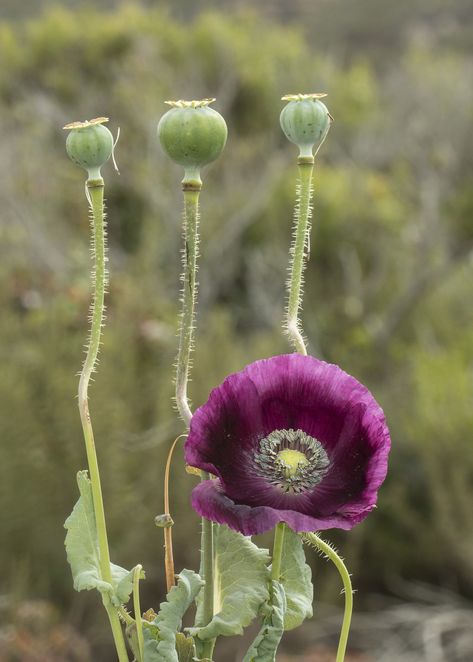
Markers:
point(305, 121)
point(89, 145)
point(192, 134)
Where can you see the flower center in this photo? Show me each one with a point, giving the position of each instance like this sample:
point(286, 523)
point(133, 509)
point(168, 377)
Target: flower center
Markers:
point(292, 460)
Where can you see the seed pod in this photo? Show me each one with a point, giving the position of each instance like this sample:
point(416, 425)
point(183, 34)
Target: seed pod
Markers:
point(305, 121)
point(89, 145)
point(192, 134)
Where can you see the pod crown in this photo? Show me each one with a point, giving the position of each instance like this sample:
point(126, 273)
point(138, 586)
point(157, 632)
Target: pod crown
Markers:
point(181, 103)
point(83, 125)
point(303, 97)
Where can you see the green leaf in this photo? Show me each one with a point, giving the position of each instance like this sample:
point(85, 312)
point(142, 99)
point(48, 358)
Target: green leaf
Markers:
point(150, 649)
point(83, 550)
point(160, 645)
point(296, 577)
point(240, 585)
point(265, 646)
point(81, 541)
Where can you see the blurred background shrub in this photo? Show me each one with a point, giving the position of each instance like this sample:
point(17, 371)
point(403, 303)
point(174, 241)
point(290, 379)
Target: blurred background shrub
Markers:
point(388, 288)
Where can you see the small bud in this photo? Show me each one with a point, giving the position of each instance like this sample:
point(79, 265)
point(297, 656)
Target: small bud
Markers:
point(89, 145)
point(164, 521)
point(192, 135)
point(149, 615)
point(305, 121)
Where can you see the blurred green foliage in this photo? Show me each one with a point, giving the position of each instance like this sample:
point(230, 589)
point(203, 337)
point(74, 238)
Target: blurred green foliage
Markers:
point(388, 288)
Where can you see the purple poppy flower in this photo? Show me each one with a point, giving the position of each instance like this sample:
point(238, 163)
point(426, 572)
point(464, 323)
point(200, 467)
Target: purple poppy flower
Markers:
point(291, 439)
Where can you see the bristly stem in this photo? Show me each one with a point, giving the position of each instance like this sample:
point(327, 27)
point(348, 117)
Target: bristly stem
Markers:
point(300, 250)
point(314, 540)
point(191, 188)
point(95, 191)
point(299, 253)
point(277, 551)
point(189, 293)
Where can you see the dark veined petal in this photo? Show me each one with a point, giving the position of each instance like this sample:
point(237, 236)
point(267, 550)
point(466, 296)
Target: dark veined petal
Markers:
point(209, 500)
point(278, 396)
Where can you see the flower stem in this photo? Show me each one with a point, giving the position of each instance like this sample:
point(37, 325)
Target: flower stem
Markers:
point(207, 567)
point(117, 631)
point(277, 551)
point(191, 188)
point(168, 550)
point(95, 189)
point(137, 609)
point(314, 540)
point(189, 293)
point(299, 252)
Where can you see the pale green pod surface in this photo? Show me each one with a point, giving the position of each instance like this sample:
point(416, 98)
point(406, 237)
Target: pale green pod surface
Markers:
point(305, 121)
point(89, 145)
point(192, 134)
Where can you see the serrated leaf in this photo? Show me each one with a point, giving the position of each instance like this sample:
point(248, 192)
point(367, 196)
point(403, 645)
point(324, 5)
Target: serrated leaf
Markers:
point(82, 549)
point(296, 577)
point(240, 585)
point(161, 645)
point(150, 652)
point(150, 642)
point(265, 646)
point(81, 541)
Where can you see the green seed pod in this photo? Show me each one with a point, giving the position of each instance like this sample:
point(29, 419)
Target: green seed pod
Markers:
point(89, 145)
point(192, 135)
point(305, 121)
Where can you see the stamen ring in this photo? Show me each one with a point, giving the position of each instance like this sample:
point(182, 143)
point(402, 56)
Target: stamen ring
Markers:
point(292, 460)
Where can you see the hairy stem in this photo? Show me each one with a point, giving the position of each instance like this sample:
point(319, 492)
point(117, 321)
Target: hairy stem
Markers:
point(189, 293)
point(95, 190)
point(277, 551)
point(298, 254)
point(191, 188)
point(314, 540)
